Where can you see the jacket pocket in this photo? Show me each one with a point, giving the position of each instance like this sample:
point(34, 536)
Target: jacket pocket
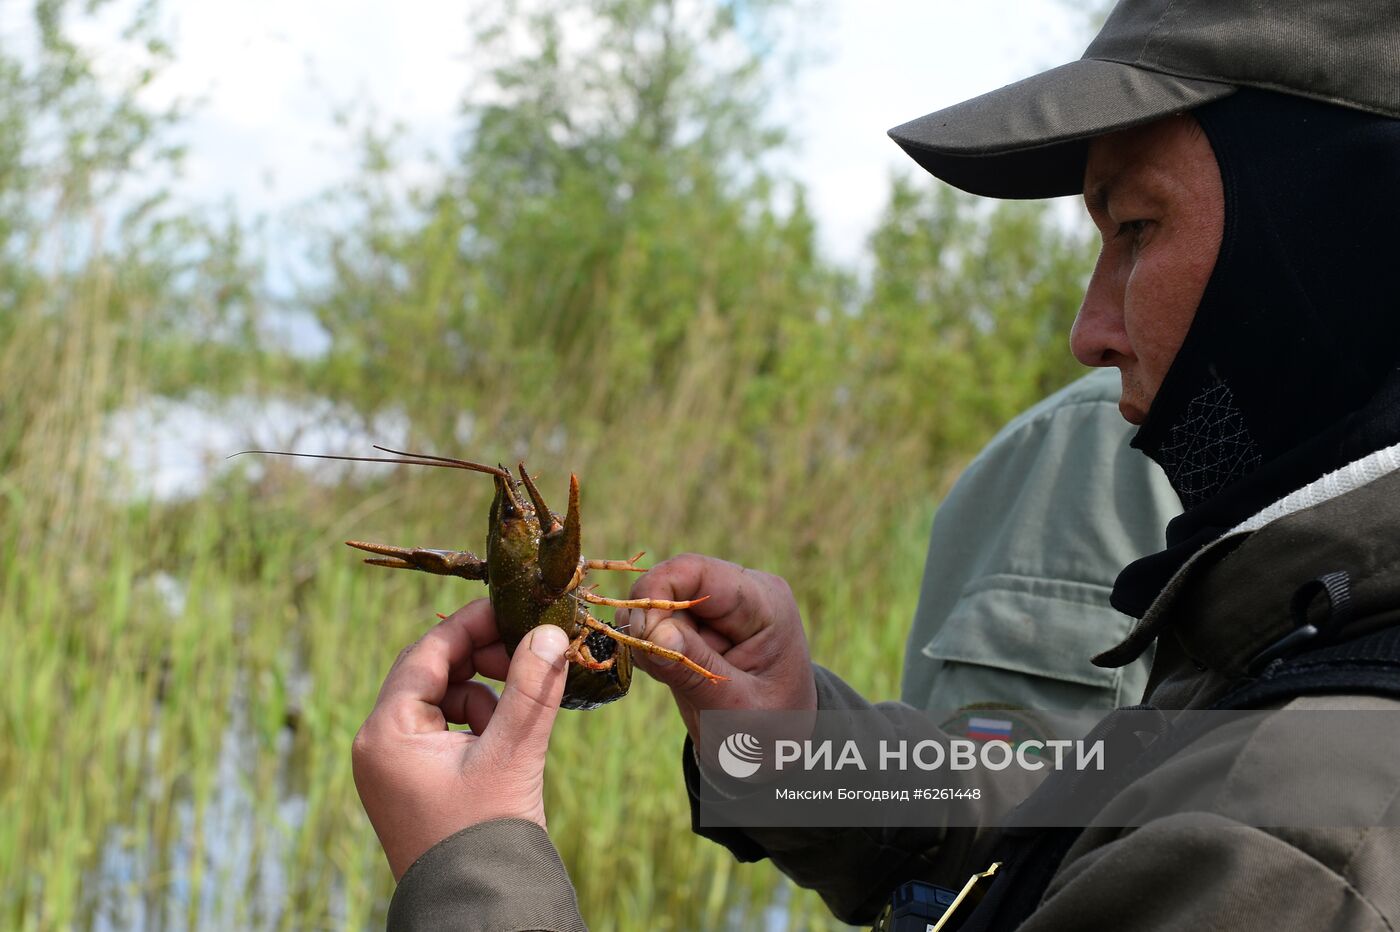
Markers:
point(1025, 642)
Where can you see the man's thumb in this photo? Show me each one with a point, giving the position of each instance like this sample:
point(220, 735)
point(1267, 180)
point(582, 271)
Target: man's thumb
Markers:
point(529, 702)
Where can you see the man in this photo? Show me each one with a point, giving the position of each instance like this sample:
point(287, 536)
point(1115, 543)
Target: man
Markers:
point(1240, 164)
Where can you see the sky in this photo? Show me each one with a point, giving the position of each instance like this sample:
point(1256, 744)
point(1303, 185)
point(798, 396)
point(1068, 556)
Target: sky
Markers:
point(894, 60)
point(269, 74)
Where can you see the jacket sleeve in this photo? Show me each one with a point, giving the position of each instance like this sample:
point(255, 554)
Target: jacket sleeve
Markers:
point(501, 876)
point(853, 869)
point(1204, 871)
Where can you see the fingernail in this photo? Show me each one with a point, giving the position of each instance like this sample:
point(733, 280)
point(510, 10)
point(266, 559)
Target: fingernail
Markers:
point(549, 643)
point(668, 637)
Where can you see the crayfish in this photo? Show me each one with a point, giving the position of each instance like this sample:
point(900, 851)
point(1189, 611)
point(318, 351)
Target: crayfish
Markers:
point(534, 570)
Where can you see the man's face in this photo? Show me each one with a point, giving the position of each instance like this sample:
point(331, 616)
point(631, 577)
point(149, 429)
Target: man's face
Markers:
point(1154, 192)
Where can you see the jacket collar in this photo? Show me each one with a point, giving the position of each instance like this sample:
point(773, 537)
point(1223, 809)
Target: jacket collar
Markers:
point(1231, 601)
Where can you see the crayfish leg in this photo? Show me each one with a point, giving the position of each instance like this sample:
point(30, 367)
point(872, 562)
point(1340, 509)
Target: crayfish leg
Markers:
point(666, 604)
point(627, 566)
point(581, 572)
point(579, 653)
point(648, 647)
point(577, 578)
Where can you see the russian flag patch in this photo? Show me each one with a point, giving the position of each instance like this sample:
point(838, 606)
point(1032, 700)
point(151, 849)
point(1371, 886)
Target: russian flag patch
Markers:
point(989, 729)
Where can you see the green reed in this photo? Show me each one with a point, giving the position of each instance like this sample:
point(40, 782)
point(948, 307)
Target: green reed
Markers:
point(187, 765)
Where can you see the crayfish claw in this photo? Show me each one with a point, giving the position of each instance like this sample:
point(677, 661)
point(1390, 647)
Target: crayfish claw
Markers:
point(560, 549)
point(392, 563)
point(441, 562)
point(549, 524)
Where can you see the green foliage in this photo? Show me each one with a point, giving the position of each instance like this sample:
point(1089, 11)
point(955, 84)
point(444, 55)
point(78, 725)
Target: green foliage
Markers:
point(969, 313)
point(609, 278)
point(606, 201)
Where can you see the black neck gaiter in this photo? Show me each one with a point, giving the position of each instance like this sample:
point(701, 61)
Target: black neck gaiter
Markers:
point(1289, 369)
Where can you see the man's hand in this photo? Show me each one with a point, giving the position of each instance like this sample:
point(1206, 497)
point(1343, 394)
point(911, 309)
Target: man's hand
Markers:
point(748, 629)
point(421, 782)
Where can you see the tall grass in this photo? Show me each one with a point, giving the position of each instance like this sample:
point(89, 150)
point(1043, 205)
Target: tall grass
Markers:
point(180, 681)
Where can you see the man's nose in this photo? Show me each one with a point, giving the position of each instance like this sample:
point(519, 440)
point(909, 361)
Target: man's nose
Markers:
point(1098, 337)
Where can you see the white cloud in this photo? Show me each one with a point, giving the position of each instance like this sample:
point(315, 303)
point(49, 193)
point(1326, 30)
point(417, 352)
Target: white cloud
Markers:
point(272, 73)
point(894, 61)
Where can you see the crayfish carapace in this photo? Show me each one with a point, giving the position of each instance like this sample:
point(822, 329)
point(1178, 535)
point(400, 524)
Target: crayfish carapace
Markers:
point(534, 570)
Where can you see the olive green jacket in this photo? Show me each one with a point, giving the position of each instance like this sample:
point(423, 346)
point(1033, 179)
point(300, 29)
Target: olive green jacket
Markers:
point(499, 876)
point(1202, 871)
point(1179, 872)
point(1022, 558)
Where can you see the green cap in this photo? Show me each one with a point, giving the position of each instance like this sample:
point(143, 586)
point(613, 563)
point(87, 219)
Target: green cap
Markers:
point(1154, 58)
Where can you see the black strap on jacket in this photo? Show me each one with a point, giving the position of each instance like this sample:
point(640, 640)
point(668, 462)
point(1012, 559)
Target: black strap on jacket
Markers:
point(1368, 665)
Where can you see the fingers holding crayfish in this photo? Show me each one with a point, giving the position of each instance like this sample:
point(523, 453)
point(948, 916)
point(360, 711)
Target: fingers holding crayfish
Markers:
point(464, 644)
point(441, 562)
point(743, 602)
point(470, 703)
point(750, 630)
point(489, 657)
point(648, 647)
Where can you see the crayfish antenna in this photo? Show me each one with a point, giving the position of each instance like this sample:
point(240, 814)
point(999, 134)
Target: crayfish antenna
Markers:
point(561, 549)
point(506, 490)
point(410, 459)
point(449, 461)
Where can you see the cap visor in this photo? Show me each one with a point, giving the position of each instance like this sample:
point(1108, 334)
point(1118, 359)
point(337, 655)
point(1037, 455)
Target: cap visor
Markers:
point(1030, 139)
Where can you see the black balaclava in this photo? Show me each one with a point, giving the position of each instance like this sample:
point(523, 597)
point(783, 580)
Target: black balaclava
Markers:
point(1289, 369)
